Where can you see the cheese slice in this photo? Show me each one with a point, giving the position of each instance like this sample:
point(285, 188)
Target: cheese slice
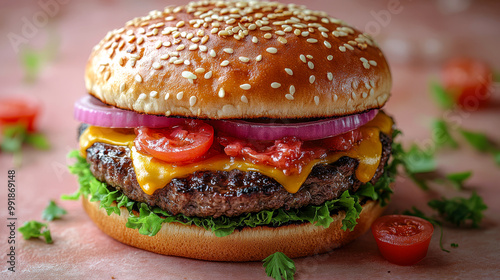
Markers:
point(153, 174)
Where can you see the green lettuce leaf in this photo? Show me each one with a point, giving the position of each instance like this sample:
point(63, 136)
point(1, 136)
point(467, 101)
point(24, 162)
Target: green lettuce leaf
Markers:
point(148, 220)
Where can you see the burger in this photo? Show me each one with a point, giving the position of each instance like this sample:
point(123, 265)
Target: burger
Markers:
point(228, 131)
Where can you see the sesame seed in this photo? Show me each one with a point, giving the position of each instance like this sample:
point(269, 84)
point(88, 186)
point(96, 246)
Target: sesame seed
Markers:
point(280, 32)
point(204, 39)
point(142, 96)
point(169, 18)
point(157, 66)
point(245, 86)
point(289, 96)
point(353, 94)
point(180, 95)
point(122, 87)
point(272, 50)
point(367, 85)
point(349, 47)
point(167, 44)
point(180, 47)
point(342, 48)
point(255, 40)
point(323, 29)
point(366, 65)
point(214, 30)
point(199, 70)
point(303, 58)
point(244, 99)
point(316, 100)
point(193, 47)
point(330, 57)
point(372, 83)
point(309, 56)
point(329, 75)
point(138, 78)
point(304, 34)
point(167, 96)
point(212, 53)
point(373, 62)
point(289, 71)
point(365, 94)
point(244, 59)
point(265, 28)
point(296, 32)
point(258, 58)
point(292, 89)
point(192, 101)
point(355, 84)
point(180, 24)
point(327, 44)
point(288, 29)
point(275, 85)
point(203, 48)
point(188, 75)
point(208, 75)
point(228, 50)
point(312, 40)
point(252, 26)
point(153, 93)
point(310, 65)
point(335, 97)
point(372, 91)
point(312, 78)
point(106, 76)
point(187, 62)
point(101, 69)
point(222, 93)
point(224, 63)
point(363, 59)
point(158, 44)
point(282, 40)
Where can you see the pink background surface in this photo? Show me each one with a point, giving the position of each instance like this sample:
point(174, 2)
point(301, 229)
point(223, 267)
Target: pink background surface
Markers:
point(416, 40)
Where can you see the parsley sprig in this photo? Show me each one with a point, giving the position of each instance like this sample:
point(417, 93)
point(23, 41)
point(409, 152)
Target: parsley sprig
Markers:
point(279, 266)
point(35, 229)
point(53, 211)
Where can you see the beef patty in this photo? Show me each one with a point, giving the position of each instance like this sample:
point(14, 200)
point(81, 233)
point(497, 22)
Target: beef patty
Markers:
point(228, 193)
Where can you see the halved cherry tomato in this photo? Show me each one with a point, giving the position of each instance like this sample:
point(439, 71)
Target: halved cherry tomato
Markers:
point(19, 110)
point(401, 239)
point(180, 143)
point(469, 81)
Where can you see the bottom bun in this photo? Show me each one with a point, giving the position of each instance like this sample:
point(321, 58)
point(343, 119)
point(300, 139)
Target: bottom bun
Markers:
point(248, 244)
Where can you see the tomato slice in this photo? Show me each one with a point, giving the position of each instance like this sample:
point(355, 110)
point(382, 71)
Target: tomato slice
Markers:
point(342, 142)
point(180, 143)
point(19, 110)
point(469, 81)
point(401, 239)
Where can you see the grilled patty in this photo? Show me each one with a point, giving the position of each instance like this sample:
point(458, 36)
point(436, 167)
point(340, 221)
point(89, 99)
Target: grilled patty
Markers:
point(228, 193)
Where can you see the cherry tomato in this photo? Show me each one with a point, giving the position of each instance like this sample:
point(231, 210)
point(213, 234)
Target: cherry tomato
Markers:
point(19, 110)
point(469, 81)
point(180, 143)
point(401, 239)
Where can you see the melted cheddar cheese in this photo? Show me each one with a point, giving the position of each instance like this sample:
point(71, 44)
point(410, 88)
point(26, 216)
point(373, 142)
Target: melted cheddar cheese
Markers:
point(153, 174)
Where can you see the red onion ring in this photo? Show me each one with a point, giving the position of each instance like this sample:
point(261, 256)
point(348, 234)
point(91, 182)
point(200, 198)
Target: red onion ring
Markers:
point(305, 130)
point(91, 110)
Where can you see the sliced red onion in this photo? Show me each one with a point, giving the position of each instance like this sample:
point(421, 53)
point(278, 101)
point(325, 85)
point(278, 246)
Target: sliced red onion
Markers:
point(305, 130)
point(91, 110)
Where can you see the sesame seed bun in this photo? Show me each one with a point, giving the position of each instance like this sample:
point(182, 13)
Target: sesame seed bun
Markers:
point(248, 244)
point(220, 60)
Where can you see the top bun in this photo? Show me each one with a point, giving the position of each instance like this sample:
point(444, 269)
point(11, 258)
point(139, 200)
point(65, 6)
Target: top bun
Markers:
point(220, 60)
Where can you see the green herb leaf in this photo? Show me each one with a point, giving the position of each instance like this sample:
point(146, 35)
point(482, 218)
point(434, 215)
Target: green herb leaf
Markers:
point(477, 140)
point(38, 141)
point(35, 229)
point(279, 266)
point(52, 211)
point(459, 210)
point(441, 97)
point(13, 138)
point(419, 161)
point(458, 179)
point(441, 134)
point(454, 245)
